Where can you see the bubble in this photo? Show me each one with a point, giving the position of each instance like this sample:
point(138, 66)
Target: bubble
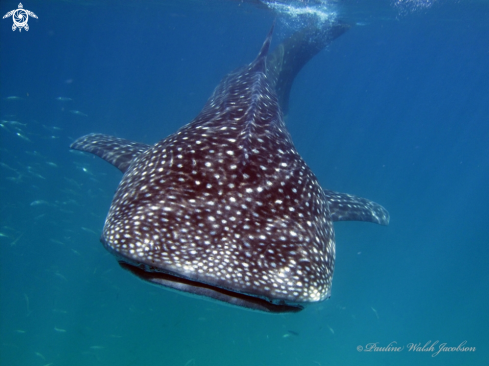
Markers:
point(297, 14)
point(410, 6)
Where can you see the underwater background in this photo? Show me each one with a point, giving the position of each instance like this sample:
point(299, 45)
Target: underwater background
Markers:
point(395, 110)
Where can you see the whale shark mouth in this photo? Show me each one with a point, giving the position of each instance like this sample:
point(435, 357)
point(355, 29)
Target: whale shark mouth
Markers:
point(221, 294)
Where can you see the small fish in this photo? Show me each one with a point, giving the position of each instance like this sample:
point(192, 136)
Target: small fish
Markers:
point(14, 243)
point(75, 152)
point(17, 179)
point(331, 329)
point(60, 276)
point(64, 99)
point(3, 165)
point(13, 97)
point(79, 113)
point(15, 123)
point(85, 170)
point(59, 330)
point(71, 201)
point(73, 182)
point(76, 252)
point(20, 331)
point(39, 202)
point(34, 173)
point(35, 153)
point(27, 303)
point(60, 311)
point(89, 230)
point(52, 128)
point(97, 347)
point(375, 311)
point(40, 355)
point(25, 138)
point(50, 163)
point(3, 235)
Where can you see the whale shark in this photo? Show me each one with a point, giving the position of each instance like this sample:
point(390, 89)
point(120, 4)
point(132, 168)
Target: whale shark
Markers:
point(225, 207)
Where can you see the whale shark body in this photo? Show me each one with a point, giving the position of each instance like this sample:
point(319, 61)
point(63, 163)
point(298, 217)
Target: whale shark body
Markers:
point(226, 207)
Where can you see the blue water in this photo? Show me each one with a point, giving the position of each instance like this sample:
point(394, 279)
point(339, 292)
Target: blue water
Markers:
point(395, 110)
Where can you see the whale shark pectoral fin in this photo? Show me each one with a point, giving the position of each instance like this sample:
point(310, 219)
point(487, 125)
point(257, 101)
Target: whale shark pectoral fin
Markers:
point(346, 207)
point(116, 151)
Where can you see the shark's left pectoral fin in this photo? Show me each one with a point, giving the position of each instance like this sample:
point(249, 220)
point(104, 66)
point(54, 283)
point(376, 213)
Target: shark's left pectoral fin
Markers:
point(346, 207)
point(116, 151)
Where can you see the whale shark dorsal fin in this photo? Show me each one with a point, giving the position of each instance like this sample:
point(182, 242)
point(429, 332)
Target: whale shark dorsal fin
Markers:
point(260, 62)
point(266, 44)
point(116, 151)
point(347, 207)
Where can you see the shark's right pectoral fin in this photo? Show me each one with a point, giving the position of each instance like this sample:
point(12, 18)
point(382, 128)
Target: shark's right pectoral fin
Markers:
point(347, 207)
point(116, 151)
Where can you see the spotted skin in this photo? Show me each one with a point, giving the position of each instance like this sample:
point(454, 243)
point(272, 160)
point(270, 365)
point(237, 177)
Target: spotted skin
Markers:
point(226, 207)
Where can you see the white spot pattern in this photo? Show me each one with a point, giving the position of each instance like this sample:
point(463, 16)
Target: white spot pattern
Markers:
point(227, 200)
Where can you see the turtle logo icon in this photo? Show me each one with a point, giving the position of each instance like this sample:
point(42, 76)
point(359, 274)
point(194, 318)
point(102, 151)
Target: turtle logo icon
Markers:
point(20, 17)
